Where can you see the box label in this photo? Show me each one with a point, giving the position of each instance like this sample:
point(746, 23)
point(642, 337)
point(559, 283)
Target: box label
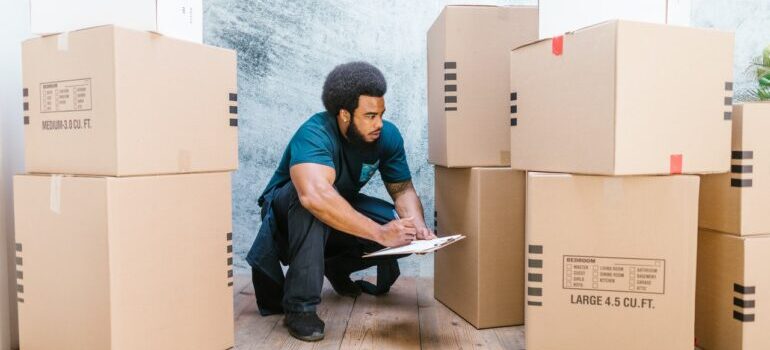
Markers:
point(612, 274)
point(65, 96)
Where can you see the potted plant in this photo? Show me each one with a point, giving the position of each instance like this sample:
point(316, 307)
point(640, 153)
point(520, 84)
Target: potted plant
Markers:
point(762, 67)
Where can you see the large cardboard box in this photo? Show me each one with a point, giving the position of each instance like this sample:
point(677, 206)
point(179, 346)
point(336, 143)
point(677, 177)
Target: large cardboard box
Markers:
point(560, 16)
point(481, 278)
point(181, 19)
point(118, 102)
point(623, 98)
point(124, 263)
point(733, 292)
point(468, 89)
point(610, 261)
point(737, 202)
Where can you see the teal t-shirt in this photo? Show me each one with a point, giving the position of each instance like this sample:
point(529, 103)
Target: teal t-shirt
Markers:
point(319, 141)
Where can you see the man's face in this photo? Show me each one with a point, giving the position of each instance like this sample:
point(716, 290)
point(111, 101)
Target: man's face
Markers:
point(366, 124)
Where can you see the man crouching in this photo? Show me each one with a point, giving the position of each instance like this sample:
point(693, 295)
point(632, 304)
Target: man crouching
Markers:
point(313, 217)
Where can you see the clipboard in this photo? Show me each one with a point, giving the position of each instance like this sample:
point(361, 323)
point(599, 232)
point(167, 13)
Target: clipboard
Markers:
point(418, 247)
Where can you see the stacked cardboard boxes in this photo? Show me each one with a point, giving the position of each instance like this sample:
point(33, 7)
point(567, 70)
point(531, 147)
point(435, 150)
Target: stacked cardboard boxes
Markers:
point(123, 222)
point(622, 116)
point(734, 241)
point(477, 193)
point(610, 258)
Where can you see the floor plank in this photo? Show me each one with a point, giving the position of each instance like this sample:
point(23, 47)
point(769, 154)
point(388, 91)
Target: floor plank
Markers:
point(251, 329)
point(407, 318)
point(443, 329)
point(511, 337)
point(385, 322)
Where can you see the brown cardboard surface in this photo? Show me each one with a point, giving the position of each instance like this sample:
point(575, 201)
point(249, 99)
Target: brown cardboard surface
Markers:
point(623, 98)
point(732, 291)
point(7, 278)
point(737, 202)
point(639, 236)
point(124, 263)
point(468, 89)
point(118, 102)
point(481, 278)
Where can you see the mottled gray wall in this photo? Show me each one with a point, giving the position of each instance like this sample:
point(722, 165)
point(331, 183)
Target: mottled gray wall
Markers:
point(750, 20)
point(286, 47)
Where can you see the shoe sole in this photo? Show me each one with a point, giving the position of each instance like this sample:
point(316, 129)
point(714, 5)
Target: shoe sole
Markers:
point(309, 338)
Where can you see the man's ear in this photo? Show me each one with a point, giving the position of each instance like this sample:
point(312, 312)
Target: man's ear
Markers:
point(345, 115)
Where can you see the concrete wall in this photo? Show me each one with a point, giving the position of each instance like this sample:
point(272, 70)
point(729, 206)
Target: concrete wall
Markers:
point(750, 20)
point(14, 16)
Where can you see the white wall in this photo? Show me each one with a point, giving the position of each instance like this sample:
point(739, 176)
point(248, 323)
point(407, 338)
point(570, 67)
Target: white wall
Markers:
point(14, 16)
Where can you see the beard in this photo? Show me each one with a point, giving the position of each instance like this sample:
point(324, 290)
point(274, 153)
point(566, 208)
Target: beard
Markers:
point(356, 138)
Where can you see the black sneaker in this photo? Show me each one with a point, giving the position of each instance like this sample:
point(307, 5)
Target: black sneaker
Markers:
point(304, 325)
point(343, 285)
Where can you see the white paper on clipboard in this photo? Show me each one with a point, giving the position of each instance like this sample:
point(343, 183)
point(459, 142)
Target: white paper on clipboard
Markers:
point(418, 247)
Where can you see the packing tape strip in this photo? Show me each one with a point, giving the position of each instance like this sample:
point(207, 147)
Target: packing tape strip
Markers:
point(557, 45)
point(56, 193)
point(63, 41)
point(675, 164)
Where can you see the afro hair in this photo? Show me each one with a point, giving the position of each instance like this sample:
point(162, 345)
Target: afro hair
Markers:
point(347, 82)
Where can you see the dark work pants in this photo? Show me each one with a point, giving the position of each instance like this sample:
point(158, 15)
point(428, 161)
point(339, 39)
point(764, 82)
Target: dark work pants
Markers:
point(311, 248)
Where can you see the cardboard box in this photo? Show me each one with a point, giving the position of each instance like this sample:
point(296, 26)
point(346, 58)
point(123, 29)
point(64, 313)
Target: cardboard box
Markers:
point(6, 280)
point(623, 98)
point(560, 16)
point(118, 102)
point(124, 263)
point(737, 202)
point(481, 278)
point(610, 261)
point(181, 19)
point(468, 92)
point(733, 291)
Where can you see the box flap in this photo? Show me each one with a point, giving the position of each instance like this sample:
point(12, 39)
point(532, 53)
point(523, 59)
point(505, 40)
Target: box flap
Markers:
point(569, 33)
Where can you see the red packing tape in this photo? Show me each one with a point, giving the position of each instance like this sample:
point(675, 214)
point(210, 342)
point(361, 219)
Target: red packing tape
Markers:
point(557, 45)
point(676, 164)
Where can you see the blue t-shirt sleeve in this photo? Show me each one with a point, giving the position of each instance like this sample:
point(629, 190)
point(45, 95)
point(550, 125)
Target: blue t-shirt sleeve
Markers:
point(311, 145)
point(393, 165)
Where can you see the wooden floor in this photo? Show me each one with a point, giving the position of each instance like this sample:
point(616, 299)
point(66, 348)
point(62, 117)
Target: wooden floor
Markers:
point(407, 318)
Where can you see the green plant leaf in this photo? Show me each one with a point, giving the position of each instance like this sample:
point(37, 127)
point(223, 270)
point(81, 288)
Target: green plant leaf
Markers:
point(766, 56)
point(763, 94)
point(764, 81)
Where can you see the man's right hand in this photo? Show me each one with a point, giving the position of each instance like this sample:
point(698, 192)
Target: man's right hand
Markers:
point(397, 233)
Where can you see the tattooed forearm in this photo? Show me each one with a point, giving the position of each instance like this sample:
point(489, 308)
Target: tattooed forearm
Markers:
point(396, 189)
